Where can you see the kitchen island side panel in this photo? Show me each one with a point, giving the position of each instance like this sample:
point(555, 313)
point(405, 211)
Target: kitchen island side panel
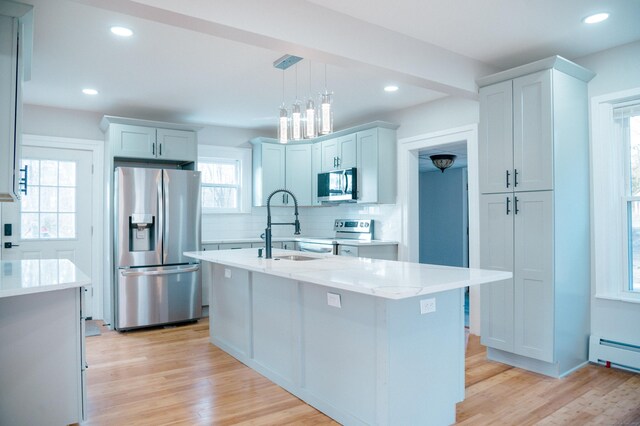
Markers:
point(370, 361)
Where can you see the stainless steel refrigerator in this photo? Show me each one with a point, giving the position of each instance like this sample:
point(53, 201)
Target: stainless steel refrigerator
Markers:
point(157, 218)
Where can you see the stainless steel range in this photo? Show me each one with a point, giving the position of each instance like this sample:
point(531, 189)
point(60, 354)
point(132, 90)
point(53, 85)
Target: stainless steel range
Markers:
point(345, 229)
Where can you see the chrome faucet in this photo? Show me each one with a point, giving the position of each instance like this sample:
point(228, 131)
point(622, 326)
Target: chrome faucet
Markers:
point(267, 232)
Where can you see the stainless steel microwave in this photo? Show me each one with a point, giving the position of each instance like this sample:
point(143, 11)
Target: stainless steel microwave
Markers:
point(338, 185)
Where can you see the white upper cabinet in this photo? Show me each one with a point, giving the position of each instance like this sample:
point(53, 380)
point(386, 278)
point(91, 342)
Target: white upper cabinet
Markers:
point(495, 143)
point(269, 172)
point(532, 132)
point(150, 140)
point(176, 145)
point(516, 137)
point(298, 173)
point(295, 166)
point(339, 153)
point(16, 26)
point(132, 141)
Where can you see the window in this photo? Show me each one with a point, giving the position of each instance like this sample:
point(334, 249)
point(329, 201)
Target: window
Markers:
point(627, 125)
point(48, 211)
point(220, 184)
point(615, 176)
point(226, 179)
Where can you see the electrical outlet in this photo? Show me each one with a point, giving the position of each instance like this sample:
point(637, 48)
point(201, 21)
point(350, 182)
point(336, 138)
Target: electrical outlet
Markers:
point(333, 299)
point(227, 273)
point(427, 306)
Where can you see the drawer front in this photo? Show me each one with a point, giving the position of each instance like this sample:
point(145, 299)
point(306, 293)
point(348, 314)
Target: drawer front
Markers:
point(348, 251)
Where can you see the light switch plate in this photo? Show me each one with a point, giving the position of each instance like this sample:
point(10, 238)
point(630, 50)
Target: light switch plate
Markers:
point(333, 299)
point(227, 273)
point(427, 305)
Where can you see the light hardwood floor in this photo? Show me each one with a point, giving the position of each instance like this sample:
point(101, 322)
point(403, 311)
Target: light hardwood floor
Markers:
point(175, 376)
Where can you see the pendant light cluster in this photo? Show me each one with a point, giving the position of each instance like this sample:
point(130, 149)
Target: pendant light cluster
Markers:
point(306, 121)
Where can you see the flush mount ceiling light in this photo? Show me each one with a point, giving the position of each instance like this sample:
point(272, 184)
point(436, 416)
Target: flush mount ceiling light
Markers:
point(90, 91)
point(595, 18)
point(391, 88)
point(122, 31)
point(443, 161)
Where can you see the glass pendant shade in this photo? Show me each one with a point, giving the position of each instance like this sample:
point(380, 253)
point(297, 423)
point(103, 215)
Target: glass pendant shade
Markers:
point(283, 125)
point(325, 114)
point(310, 128)
point(296, 121)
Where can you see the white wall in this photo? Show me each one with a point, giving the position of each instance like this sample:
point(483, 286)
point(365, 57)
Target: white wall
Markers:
point(441, 114)
point(617, 69)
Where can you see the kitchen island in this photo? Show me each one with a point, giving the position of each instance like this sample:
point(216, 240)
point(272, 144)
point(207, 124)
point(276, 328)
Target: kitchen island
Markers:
point(42, 335)
point(365, 341)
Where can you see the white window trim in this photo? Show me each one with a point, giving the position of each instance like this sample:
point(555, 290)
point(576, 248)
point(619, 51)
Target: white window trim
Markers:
point(609, 227)
point(243, 155)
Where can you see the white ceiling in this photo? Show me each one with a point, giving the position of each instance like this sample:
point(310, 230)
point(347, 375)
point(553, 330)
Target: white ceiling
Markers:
point(211, 62)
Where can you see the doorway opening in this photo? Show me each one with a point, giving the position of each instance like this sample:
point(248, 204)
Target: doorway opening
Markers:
point(409, 150)
point(443, 214)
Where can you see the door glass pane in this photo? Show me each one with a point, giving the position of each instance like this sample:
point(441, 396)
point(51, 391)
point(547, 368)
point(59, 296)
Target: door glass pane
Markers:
point(67, 200)
point(33, 169)
point(48, 172)
point(48, 199)
point(29, 226)
point(67, 225)
point(48, 225)
point(67, 170)
point(31, 201)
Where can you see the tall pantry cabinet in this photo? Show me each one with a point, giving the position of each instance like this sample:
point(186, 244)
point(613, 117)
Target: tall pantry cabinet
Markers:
point(534, 215)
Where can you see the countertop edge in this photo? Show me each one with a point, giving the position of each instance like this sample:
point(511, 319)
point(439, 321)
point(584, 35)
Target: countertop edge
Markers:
point(307, 275)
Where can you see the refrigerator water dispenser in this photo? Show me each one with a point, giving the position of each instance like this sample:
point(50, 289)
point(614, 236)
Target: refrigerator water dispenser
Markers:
point(142, 235)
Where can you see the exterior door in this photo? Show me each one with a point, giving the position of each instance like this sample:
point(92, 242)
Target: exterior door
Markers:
point(495, 138)
point(54, 219)
point(496, 252)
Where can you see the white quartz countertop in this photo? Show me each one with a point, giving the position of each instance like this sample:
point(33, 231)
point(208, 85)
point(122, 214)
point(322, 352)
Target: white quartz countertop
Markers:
point(342, 241)
point(382, 278)
point(27, 276)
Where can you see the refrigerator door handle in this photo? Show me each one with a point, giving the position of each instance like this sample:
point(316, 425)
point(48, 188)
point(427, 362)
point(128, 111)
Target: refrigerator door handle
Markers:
point(166, 272)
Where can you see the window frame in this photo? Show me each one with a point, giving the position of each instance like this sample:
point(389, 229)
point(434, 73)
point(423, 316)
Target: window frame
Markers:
point(211, 154)
point(610, 197)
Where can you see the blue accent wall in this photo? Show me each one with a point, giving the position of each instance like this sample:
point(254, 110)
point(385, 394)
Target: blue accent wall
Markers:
point(444, 217)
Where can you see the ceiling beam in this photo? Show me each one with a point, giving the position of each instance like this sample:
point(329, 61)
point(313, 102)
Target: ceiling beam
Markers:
point(316, 33)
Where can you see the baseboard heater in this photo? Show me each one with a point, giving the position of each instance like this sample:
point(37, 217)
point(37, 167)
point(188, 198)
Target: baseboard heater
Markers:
point(614, 354)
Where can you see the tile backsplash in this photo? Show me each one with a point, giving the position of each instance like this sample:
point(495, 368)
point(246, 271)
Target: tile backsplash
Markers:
point(315, 221)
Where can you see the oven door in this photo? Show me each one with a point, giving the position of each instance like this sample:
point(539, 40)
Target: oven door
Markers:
point(324, 248)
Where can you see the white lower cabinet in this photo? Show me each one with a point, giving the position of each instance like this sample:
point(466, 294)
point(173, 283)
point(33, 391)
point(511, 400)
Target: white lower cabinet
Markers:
point(42, 357)
point(518, 236)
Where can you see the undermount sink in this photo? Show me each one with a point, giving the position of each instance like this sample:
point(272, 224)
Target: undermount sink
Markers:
point(296, 257)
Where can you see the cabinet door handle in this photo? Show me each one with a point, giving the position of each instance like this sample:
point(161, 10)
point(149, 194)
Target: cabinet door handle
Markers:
point(515, 177)
point(508, 210)
point(515, 205)
point(507, 178)
point(338, 158)
point(153, 148)
point(160, 150)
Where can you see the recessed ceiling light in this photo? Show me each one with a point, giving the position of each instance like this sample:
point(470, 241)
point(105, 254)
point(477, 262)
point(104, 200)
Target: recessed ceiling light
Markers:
point(122, 31)
point(90, 91)
point(391, 89)
point(595, 18)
